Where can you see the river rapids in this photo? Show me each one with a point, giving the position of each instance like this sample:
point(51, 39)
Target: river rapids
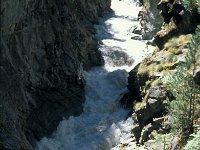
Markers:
point(104, 123)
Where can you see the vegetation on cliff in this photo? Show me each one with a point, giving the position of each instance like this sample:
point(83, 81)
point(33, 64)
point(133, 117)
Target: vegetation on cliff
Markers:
point(167, 120)
point(184, 109)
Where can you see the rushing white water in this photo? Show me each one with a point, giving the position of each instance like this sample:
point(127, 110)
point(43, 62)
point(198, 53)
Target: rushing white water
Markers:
point(102, 125)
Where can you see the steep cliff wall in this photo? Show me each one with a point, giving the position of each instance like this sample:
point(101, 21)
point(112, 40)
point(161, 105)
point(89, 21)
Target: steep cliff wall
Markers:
point(45, 46)
point(149, 95)
point(150, 19)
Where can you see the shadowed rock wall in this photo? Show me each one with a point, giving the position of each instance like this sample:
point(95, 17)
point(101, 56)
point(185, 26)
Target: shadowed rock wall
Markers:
point(45, 46)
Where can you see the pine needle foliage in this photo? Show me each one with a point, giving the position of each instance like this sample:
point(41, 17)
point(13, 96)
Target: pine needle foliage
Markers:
point(184, 89)
point(192, 4)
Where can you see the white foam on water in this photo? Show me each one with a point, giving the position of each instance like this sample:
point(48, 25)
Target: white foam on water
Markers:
point(102, 125)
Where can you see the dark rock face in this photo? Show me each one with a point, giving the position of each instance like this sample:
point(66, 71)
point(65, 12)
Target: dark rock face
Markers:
point(156, 99)
point(44, 48)
point(171, 9)
point(147, 131)
point(185, 21)
point(197, 77)
point(134, 86)
point(127, 99)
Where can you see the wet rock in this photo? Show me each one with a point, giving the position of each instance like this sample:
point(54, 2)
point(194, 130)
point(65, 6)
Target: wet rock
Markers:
point(143, 133)
point(134, 86)
point(140, 3)
point(137, 30)
point(136, 38)
point(151, 42)
point(118, 58)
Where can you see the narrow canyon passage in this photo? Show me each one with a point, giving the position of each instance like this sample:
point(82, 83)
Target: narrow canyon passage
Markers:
point(102, 125)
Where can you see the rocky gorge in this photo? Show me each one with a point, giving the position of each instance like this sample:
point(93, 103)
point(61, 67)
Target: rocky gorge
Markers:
point(47, 46)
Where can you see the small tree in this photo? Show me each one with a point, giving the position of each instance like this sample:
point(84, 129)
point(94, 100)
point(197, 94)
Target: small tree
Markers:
point(185, 90)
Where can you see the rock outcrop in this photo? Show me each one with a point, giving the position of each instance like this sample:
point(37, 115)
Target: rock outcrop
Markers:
point(147, 114)
point(147, 17)
point(184, 21)
point(148, 94)
point(134, 85)
point(44, 48)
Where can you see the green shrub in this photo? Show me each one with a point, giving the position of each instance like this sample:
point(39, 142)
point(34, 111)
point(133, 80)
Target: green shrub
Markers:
point(192, 4)
point(186, 92)
point(194, 143)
